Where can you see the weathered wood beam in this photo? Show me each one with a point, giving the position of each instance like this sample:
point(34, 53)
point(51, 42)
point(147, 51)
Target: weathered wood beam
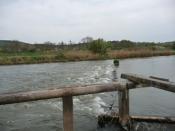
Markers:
point(68, 113)
point(59, 92)
point(159, 119)
point(105, 119)
point(158, 78)
point(139, 79)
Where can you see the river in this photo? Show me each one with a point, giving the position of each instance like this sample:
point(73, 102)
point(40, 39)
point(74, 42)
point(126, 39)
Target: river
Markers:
point(47, 115)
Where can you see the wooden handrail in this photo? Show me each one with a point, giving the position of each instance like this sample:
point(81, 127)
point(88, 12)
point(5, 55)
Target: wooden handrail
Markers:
point(59, 92)
point(140, 79)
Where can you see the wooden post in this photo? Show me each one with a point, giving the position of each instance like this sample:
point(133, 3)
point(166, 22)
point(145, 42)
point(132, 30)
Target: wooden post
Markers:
point(68, 113)
point(123, 97)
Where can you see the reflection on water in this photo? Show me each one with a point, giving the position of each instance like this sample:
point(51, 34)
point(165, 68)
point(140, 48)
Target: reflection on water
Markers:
point(47, 115)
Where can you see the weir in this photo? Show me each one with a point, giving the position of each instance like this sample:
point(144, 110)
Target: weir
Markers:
point(122, 117)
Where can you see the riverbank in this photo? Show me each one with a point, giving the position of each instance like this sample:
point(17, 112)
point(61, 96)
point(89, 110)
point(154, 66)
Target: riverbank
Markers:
point(78, 55)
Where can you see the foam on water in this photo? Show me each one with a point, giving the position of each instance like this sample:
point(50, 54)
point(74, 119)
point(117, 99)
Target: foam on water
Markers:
point(86, 108)
point(99, 74)
point(97, 106)
point(76, 100)
point(89, 104)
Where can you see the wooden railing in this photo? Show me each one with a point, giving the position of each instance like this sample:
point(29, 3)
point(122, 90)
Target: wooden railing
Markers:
point(67, 93)
point(157, 82)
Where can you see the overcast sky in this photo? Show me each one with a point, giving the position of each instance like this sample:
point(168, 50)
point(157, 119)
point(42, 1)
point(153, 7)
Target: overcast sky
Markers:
point(64, 20)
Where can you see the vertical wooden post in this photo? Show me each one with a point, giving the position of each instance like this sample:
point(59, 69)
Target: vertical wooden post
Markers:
point(68, 113)
point(123, 107)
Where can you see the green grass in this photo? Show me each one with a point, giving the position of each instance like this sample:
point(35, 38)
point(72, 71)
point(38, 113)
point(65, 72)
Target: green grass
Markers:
point(2, 54)
point(76, 55)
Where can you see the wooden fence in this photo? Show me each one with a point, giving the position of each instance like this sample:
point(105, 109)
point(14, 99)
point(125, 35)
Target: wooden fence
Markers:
point(67, 93)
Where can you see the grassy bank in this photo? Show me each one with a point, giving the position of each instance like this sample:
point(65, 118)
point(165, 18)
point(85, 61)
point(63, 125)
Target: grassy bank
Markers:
point(77, 55)
point(17, 52)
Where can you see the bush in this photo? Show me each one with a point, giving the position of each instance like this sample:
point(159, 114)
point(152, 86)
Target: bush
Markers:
point(59, 56)
point(173, 46)
point(99, 46)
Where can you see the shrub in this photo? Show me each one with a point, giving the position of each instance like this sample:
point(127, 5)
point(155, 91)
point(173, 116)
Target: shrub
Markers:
point(59, 56)
point(99, 46)
point(173, 46)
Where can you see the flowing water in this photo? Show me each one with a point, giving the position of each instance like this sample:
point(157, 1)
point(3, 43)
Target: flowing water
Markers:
point(46, 115)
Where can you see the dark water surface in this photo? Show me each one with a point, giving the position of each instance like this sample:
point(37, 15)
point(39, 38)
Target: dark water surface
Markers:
point(47, 115)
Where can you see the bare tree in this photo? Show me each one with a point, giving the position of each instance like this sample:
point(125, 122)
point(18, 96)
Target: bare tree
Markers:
point(86, 39)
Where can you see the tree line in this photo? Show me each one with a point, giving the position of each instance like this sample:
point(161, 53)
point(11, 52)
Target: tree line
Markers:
point(88, 43)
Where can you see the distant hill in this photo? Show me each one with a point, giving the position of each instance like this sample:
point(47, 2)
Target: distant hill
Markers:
point(15, 46)
point(7, 42)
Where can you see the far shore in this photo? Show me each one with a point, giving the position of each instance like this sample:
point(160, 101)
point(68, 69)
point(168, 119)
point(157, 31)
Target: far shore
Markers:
point(79, 55)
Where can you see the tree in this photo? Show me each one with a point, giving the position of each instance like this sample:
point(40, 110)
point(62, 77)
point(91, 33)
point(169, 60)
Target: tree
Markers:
point(99, 46)
point(86, 39)
point(173, 46)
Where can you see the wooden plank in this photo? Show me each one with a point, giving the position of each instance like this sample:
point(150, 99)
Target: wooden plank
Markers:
point(139, 79)
point(160, 119)
point(59, 92)
point(123, 97)
point(158, 78)
point(68, 113)
point(105, 119)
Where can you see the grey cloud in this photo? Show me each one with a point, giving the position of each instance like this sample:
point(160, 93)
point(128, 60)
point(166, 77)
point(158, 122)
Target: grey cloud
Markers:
point(57, 20)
